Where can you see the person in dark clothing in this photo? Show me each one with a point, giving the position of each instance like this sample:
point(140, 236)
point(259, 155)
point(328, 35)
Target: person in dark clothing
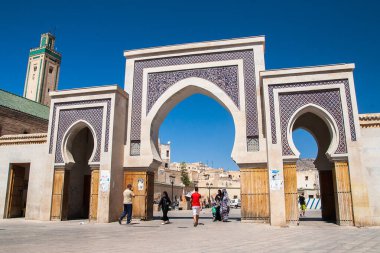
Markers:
point(218, 199)
point(165, 204)
point(302, 202)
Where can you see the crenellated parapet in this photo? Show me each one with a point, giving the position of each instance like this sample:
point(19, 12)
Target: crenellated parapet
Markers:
point(19, 139)
point(370, 120)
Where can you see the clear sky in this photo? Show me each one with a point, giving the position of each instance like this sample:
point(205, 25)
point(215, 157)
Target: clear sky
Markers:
point(92, 35)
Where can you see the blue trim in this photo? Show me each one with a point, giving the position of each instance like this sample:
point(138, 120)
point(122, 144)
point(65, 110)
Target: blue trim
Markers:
point(316, 206)
point(312, 203)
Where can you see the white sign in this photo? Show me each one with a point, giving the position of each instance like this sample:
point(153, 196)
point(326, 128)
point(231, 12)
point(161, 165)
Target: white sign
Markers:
point(104, 180)
point(275, 180)
point(140, 184)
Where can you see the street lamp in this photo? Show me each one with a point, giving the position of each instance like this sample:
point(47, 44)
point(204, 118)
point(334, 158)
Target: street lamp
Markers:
point(172, 182)
point(209, 185)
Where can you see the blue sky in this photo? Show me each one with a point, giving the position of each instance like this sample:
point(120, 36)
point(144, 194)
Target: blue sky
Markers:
point(92, 35)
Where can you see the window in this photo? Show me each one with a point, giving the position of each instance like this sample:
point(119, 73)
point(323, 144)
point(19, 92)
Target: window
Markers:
point(306, 185)
point(306, 178)
point(167, 153)
point(51, 70)
point(166, 165)
point(25, 132)
point(311, 196)
point(35, 68)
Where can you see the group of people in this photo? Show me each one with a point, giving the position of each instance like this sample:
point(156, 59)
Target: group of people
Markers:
point(220, 207)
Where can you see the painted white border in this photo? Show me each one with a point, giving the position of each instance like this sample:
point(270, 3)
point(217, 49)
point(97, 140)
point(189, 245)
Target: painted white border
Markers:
point(71, 107)
point(205, 65)
point(325, 116)
point(74, 129)
point(342, 93)
point(204, 87)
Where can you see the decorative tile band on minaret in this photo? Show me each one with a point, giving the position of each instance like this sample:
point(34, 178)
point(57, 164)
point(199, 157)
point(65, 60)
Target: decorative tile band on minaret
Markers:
point(43, 70)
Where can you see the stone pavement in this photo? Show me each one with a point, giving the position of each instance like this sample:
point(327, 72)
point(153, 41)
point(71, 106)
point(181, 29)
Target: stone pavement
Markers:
point(18, 236)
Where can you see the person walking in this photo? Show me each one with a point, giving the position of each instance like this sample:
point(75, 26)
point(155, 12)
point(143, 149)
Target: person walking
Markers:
point(128, 195)
point(165, 204)
point(218, 199)
point(196, 205)
point(301, 200)
point(224, 206)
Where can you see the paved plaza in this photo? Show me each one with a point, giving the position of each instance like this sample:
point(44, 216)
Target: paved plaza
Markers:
point(18, 235)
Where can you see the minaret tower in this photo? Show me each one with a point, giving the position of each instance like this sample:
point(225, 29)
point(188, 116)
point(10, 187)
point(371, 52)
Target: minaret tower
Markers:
point(43, 70)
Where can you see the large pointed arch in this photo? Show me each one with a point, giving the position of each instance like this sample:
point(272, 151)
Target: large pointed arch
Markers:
point(177, 93)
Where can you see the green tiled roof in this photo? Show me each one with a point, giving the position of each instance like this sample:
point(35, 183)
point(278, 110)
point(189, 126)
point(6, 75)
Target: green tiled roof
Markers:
point(24, 105)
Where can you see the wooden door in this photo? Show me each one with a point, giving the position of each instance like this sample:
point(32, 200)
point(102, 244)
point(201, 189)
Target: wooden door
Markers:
point(143, 187)
point(291, 195)
point(86, 196)
point(59, 203)
point(16, 190)
point(327, 195)
point(94, 195)
point(254, 194)
point(342, 188)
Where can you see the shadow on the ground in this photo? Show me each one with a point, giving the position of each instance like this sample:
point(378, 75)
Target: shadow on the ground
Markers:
point(190, 218)
point(316, 219)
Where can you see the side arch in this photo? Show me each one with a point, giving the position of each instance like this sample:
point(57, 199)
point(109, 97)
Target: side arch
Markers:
point(327, 118)
point(69, 137)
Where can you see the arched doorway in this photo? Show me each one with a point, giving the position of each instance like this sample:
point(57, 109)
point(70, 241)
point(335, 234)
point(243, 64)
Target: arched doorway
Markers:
point(201, 133)
point(157, 114)
point(78, 180)
point(334, 183)
point(81, 148)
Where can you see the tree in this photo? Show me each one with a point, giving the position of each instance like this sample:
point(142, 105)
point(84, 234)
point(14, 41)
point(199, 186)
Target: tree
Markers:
point(184, 176)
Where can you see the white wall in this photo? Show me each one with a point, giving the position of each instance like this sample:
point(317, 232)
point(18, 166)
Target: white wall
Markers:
point(371, 160)
point(36, 155)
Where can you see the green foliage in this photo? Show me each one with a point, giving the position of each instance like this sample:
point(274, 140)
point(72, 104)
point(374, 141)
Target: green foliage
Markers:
point(184, 176)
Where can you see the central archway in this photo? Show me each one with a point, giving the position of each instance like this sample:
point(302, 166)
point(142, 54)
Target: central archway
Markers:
point(182, 90)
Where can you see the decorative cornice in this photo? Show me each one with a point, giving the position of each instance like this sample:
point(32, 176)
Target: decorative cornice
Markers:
point(371, 120)
point(20, 139)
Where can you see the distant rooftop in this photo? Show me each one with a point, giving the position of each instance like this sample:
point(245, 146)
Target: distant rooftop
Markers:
point(24, 105)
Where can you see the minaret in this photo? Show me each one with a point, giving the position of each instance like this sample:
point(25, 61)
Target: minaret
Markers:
point(43, 70)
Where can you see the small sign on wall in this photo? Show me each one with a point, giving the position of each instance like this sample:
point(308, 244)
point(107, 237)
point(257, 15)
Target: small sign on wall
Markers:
point(275, 180)
point(140, 184)
point(104, 180)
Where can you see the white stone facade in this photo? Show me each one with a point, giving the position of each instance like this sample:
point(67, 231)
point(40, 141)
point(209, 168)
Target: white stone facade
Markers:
point(266, 106)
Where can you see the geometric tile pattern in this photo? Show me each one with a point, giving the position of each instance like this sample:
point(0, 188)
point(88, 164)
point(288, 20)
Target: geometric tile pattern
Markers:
point(271, 88)
point(93, 115)
point(290, 102)
point(225, 78)
point(135, 148)
point(249, 81)
point(86, 103)
point(253, 143)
